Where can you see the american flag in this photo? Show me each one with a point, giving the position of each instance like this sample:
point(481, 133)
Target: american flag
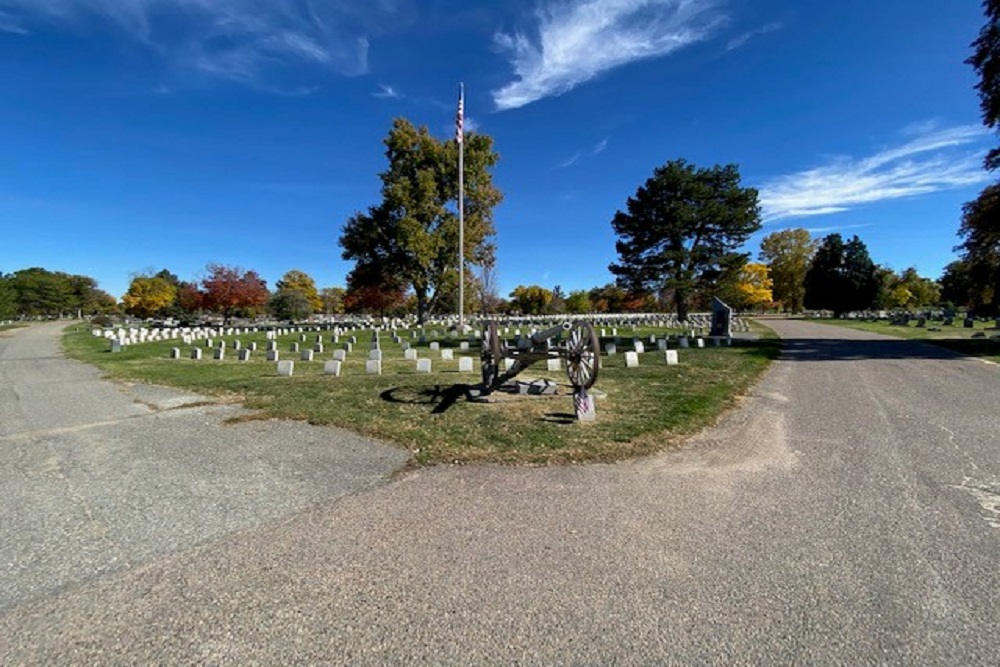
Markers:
point(460, 119)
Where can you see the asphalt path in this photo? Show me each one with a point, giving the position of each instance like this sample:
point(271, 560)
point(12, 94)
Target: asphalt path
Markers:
point(848, 513)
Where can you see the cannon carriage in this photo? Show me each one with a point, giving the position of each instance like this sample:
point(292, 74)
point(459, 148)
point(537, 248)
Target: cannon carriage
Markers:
point(575, 343)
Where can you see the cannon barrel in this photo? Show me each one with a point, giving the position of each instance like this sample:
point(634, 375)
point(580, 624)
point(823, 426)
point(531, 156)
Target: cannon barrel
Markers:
point(542, 336)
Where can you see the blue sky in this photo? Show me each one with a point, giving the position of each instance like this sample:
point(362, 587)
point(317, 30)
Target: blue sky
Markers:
point(149, 134)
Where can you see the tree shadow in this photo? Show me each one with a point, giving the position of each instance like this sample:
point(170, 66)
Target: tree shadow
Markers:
point(441, 398)
point(830, 349)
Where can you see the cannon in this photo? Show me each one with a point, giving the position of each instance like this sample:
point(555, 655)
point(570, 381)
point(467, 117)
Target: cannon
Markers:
point(580, 349)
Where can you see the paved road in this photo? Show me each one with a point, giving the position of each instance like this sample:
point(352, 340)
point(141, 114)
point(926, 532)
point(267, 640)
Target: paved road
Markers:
point(848, 513)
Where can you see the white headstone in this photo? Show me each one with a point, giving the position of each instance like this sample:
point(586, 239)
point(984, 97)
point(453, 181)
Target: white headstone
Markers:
point(610, 349)
point(465, 364)
point(410, 354)
point(373, 367)
point(306, 355)
point(175, 353)
point(220, 353)
point(339, 355)
point(196, 353)
point(700, 342)
point(435, 345)
point(683, 342)
point(631, 359)
point(639, 347)
point(671, 356)
point(447, 354)
point(553, 364)
point(423, 365)
point(286, 368)
point(332, 367)
point(245, 355)
point(375, 355)
point(272, 355)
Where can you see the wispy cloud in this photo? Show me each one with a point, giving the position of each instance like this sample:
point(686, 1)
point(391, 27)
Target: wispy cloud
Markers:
point(577, 156)
point(240, 40)
point(579, 39)
point(9, 23)
point(835, 228)
point(386, 92)
point(569, 162)
point(933, 160)
point(740, 40)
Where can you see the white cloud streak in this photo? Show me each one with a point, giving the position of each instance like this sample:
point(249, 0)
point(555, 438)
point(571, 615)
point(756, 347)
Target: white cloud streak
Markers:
point(580, 39)
point(386, 92)
point(737, 42)
point(233, 39)
point(933, 160)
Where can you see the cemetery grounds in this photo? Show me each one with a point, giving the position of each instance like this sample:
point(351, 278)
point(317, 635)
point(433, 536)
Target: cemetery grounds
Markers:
point(640, 410)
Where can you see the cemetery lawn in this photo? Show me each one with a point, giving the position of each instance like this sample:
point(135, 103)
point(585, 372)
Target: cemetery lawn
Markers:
point(956, 338)
point(645, 410)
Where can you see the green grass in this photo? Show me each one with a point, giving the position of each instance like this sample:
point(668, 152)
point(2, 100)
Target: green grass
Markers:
point(645, 410)
point(956, 338)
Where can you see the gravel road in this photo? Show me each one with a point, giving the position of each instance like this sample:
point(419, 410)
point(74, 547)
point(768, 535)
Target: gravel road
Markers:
point(847, 514)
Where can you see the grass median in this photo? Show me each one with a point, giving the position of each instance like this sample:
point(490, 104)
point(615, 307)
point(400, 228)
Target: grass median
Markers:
point(643, 410)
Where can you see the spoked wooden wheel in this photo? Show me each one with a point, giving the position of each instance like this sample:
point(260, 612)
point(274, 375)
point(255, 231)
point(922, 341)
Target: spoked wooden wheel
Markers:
point(583, 353)
point(490, 355)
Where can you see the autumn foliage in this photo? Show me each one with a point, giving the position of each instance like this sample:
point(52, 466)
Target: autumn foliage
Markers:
point(230, 290)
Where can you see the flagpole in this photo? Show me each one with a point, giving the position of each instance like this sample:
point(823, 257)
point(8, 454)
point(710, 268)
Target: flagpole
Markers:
point(460, 135)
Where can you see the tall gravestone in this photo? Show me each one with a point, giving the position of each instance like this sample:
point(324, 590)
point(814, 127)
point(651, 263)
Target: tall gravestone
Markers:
point(722, 319)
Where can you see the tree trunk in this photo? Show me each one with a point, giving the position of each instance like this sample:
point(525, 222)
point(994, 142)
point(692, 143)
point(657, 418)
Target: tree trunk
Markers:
point(421, 303)
point(680, 301)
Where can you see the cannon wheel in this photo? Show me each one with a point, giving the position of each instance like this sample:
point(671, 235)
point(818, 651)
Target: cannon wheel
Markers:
point(583, 354)
point(490, 355)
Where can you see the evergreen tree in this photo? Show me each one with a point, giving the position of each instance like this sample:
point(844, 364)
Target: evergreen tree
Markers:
point(681, 231)
point(842, 277)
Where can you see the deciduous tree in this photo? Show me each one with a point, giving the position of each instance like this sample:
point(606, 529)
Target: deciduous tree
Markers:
point(578, 302)
point(333, 300)
point(981, 249)
point(8, 298)
point(301, 282)
point(289, 304)
point(149, 296)
point(986, 61)
point(788, 253)
point(229, 290)
point(372, 289)
point(413, 231)
point(682, 229)
point(530, 299)
point(753, 289)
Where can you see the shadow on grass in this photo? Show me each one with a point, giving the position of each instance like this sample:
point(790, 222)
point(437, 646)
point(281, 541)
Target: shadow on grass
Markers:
point(441, 398)
point(559, 418)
